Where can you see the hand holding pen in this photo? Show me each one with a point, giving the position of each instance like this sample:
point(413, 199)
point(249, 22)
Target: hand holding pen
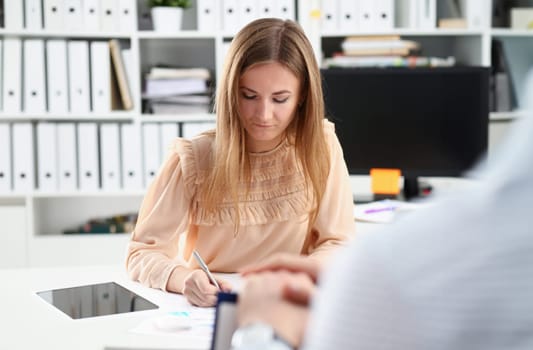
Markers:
point(201, 287)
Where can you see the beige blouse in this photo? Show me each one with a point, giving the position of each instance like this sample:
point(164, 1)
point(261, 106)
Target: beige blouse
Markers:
point(274, 216)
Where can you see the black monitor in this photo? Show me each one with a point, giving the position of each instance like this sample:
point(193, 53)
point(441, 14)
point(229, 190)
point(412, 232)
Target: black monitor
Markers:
point(424, 121)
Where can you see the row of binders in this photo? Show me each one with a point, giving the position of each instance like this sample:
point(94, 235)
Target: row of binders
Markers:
point(62, 76)
point(354, 15)
point(231, 15)
point(86, 156)
point(70, 15)
point(379, 15)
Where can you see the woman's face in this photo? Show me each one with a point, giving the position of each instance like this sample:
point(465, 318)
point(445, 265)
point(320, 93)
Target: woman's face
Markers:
point(268, 97)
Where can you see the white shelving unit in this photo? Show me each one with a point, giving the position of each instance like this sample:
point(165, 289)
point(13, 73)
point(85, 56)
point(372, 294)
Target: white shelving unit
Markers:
point(35, 219)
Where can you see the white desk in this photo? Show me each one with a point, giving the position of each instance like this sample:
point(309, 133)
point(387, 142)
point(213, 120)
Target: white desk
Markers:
point(28, 322)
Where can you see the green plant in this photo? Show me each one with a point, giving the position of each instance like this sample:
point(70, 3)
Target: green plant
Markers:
point(170, 3)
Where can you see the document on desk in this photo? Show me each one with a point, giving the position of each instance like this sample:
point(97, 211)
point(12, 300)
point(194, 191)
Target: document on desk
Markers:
point(193, 322)
point(186, 323)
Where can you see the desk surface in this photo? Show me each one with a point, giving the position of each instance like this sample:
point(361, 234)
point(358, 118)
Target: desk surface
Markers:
point(28, 322)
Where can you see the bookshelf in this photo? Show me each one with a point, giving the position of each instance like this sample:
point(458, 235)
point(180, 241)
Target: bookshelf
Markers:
point(36, 217)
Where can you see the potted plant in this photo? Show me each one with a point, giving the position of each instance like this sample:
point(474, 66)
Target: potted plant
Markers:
point(167, 14)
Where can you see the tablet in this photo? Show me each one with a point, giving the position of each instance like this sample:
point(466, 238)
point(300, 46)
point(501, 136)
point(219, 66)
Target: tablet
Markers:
point(225, 321)
point(96, 300)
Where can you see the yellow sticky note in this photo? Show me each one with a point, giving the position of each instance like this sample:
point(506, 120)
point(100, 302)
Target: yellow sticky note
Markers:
point(385, 181)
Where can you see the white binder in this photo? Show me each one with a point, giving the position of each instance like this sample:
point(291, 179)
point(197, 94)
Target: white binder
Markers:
point(91, 15)
point(110, 156)
point(13, 14)
point(131, 151)
point(33, 14)
point(248, 11)
point(109, 18)
point(206, 13)
point(57, 82)
point(1, 74)
point(406, 13)
point(12, 74)
point(366, 14)
point(100, 76)
point(192, 129)
point(265, 8)
point(427, 14)
point(23, 163)
point(348, 18)
point(67, 157)
point(126, 16)
point(47, 170)
point(5, 158)
point(330, 16)
point(384, 16)
point(88, 165)
point(78, 73)
point(73, 15)
point(169, 131)
point(151, 151)
point(231, 22)
point(54, 15)
point(285, 9)
point(34, 76)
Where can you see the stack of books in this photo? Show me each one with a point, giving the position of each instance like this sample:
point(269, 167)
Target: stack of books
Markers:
point(180, 104)
point(177, 91)
point(383, 51)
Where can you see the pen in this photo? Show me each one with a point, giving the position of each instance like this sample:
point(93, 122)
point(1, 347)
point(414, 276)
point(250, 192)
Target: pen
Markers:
point(378, 210)
point(204, 267)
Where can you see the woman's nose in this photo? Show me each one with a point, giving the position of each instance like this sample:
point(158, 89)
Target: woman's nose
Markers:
point(264, 110)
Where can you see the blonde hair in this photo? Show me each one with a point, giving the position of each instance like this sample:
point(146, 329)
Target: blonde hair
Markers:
point(268, 40)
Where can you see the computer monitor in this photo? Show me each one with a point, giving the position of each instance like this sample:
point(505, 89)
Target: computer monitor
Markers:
point(423, 121)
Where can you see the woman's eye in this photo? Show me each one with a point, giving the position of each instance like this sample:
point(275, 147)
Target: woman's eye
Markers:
point(281, 100)
point(248, 97)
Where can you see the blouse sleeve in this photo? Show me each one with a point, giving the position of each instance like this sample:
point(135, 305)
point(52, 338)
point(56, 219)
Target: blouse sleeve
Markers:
point(335, 221)
point(164, 216)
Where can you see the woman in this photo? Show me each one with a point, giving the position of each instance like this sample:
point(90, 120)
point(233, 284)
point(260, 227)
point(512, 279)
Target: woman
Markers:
point(270, 179)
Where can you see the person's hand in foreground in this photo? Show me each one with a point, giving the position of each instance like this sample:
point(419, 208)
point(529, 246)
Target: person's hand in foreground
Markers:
point(278, 298)
point(290, 263)
point(199, 291)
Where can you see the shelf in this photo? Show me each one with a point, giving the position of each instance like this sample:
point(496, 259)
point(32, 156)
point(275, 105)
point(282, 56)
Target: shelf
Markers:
point(24, 33)
point(75, 236)
point(503, 116)
point(12, 199)
point(508, 32)
point(98, 194)
point(184, 34)
point(158, 118)
point(48, 212)
point(112, 116)
point(408, 32)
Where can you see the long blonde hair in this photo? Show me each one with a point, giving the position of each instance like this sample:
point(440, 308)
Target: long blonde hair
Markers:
point(268, 40)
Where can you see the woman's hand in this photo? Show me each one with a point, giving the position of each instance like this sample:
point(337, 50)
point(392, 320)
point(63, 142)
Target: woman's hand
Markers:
point(199, 291)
